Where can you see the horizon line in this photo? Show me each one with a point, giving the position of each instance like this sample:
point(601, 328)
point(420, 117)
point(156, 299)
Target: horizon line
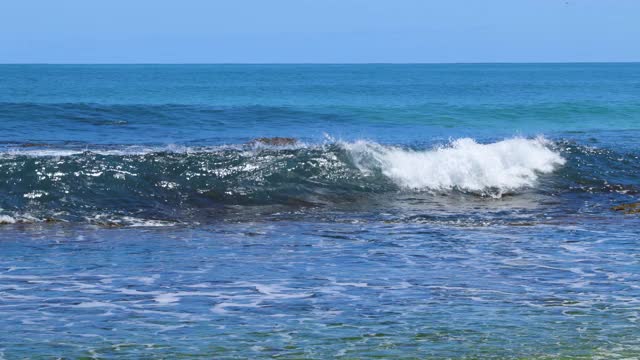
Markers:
point(324, 63)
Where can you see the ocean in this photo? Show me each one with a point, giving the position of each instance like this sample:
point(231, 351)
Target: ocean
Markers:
point(458, 211)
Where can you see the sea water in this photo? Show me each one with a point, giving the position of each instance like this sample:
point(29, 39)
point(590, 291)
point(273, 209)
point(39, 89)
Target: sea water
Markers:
point(417, 211)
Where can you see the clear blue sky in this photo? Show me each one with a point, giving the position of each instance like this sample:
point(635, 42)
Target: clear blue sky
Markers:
point(343, 31)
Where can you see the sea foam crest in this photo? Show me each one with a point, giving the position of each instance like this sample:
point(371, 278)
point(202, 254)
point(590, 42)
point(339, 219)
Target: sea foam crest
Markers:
point(6, 219)
point(489, 169)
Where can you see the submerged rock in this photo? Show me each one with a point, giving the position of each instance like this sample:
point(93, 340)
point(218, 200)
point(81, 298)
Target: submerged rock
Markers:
point(274, 141)
point(632, 208)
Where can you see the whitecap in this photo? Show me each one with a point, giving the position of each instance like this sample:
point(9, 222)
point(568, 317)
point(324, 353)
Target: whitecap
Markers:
point(464, 164)
point(6, 219)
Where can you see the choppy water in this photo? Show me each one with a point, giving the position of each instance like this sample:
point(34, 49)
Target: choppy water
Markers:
point(443, 211)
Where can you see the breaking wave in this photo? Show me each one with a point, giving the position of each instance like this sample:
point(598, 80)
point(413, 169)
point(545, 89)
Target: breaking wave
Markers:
point(465, 165)
point(113, 185)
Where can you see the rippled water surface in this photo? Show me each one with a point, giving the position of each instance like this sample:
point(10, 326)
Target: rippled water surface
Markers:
point(413, 211)
point(322, 290)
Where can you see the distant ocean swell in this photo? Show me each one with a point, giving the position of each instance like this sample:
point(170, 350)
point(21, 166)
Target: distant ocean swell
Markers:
point(51, 183)
point(49, 115)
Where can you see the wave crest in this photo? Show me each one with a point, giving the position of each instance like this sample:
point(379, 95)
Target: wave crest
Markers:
point(465, 165)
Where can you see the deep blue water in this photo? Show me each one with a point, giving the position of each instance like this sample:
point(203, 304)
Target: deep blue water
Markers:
point(417, 211)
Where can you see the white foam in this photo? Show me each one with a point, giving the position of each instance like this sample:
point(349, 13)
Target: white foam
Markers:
point(489, 169)
point(97, 304)
point(97, 150)
point(166, 299)
point(147, 280)
point(125, 150)
point(128, 221)
point(6, 219)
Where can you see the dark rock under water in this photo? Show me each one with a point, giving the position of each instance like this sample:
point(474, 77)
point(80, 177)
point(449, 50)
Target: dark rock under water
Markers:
point(274, 141)
point(632, 208)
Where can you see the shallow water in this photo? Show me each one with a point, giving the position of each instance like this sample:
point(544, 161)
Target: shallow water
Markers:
point(426, 211)
point(296, 289)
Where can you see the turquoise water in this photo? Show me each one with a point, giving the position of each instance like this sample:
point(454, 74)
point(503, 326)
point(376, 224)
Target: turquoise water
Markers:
point(420, 211)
